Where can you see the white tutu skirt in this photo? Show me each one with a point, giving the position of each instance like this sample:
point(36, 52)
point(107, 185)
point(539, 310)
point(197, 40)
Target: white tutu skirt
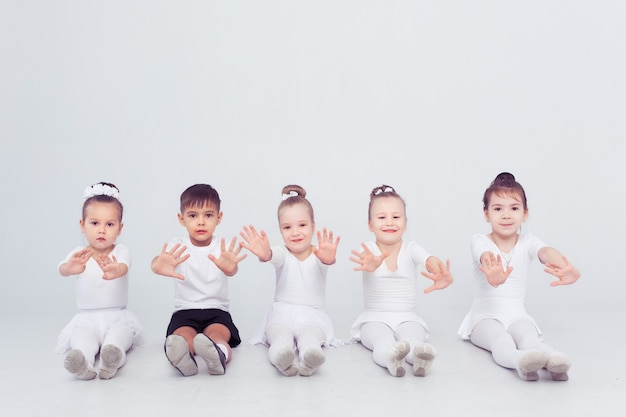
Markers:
point(472, 319)
point(393, 319)
point(99, 322)
point(295, 317)
point(503, 309)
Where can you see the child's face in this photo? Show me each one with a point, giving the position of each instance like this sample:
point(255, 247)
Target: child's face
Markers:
point(200, 223)
point(505, 213)
point(101, 226)
point(297, 229)
point(388, 220)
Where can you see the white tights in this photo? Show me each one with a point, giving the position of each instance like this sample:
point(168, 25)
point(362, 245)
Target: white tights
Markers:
point(381, 339)
point(89, 343)
point(279, 337)
point(507, 346)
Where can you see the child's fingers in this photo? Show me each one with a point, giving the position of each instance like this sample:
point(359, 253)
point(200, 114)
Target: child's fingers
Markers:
point(180, 252)
point(428, 275)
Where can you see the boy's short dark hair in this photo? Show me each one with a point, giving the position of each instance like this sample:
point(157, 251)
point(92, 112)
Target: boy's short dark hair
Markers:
point(199, 195)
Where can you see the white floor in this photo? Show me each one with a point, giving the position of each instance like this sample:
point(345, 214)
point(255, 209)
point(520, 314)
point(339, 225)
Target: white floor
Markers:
point(464, 380)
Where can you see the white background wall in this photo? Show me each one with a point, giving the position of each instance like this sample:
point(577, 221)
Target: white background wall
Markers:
point(432, 97)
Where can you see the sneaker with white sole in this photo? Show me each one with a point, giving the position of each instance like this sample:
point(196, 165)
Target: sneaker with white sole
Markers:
point(177, 352)
point(211, 353)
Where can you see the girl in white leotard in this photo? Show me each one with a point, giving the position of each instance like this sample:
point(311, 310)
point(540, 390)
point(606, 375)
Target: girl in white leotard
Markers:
point(390, 326)
point(296, 327)
point(103, 326)
point(497, 320)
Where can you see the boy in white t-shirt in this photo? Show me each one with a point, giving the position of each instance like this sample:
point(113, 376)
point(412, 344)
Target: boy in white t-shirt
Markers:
point(201, 323)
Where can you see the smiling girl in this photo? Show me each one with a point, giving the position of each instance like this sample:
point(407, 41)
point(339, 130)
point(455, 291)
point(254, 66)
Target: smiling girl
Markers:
point(498, 321)
point(390, 326)
point(296, 328)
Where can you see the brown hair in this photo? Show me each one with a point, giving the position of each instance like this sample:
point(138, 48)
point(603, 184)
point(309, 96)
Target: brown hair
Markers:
point(504, 183)
point(294, 194)
point(383, 191)
point(102, 198)
point(198, 195)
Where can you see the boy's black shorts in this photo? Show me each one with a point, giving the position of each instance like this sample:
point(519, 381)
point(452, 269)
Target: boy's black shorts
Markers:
point(200, 319)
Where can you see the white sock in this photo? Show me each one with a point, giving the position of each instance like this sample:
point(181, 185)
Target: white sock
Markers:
point(224, 350)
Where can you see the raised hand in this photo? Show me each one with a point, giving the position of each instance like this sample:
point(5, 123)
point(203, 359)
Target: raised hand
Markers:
point(77, 262)
point(229, 259)
point(167, 261)
point(491, 266)
point(367, 260)
point(111, 268)
point(566, 273)
point(326, 248)
point(440, 274)
point(256, 242)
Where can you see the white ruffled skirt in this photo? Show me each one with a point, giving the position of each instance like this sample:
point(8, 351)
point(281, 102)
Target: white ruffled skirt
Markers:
point(393, 319)
point(295, 317)
point(99, 322)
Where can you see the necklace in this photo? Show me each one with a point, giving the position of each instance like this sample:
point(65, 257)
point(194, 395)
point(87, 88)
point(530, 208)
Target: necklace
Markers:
point(507, 261)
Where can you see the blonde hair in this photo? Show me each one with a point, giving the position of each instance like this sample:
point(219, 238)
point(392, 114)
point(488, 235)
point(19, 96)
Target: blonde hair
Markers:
point(292, 195)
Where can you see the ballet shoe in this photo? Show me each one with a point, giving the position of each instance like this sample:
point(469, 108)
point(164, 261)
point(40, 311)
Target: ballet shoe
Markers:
point(398, 352)
point(311, 360)
point(529, 365)
point(423, 356)
point(76, 364)
point(110, 360)
point(558, 365)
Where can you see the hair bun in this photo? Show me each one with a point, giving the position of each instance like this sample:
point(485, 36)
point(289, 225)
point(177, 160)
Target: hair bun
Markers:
point(101, 188)
point(382, 189)
point(293, 190)
point(505, 178)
